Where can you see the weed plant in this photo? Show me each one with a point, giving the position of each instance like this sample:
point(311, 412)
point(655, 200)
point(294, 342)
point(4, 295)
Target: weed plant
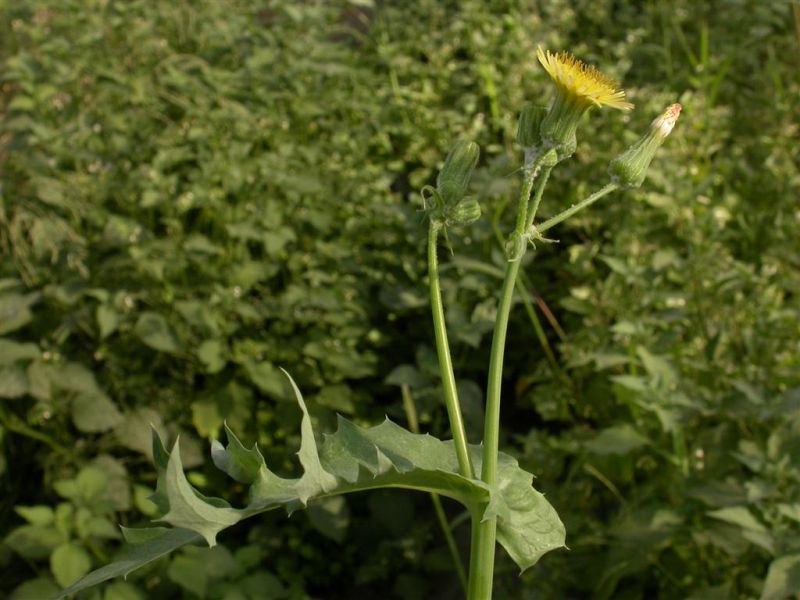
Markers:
point(194, 195)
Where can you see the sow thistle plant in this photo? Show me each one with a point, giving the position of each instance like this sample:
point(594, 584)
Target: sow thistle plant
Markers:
point(499, 496)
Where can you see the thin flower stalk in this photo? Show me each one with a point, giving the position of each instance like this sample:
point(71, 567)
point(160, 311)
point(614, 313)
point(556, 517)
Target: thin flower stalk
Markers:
point(443, 351)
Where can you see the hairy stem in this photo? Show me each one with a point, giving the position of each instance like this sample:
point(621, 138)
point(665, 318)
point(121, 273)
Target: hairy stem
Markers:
point(530, 171)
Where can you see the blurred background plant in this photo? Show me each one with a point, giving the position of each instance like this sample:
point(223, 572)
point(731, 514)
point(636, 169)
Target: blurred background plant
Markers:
point(194, 194)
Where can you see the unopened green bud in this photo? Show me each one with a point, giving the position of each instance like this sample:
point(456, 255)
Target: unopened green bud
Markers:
point(465, 212)
point(454, 177)
point(630, 168)
point(530, 120)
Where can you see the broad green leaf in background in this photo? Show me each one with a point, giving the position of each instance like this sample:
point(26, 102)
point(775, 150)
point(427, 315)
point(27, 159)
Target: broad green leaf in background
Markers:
point(11, 351)
point(35, 515)
point(337, 397)
point(267, 377)
point(752, 529)
point(34, 541)
point(206, 417)
point(657, 366)
point(738, 515)
point(40, 384)
point(783, 578)
point(196, 569)
point(330, 517)
point(15, 310)
point(153, 329)
point(620, 439)
point(107, 320)
point(133, 431)
point(35, 589)
point(263, 585)
point(69, 562)
point(212, 354)
point(407, 375)
point(122, 590)
point(93, 413)
point(13, 382)
point(189, 574)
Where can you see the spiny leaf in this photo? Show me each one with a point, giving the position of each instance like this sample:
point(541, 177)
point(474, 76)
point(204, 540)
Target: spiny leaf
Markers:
point(528, 526)
point(389, 456)
point(161, 460)
point(135, 556)
point(190, 511)
point(237, 461)
point(354, 459)
point(315, 477)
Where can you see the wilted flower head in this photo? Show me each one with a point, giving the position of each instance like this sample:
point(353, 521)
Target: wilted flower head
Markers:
point(630, 167)
point(579, 87)
point(663, 124)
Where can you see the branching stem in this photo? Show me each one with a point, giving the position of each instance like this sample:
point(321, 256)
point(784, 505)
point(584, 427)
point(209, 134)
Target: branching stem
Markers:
point(485, 532)
point(563, 216)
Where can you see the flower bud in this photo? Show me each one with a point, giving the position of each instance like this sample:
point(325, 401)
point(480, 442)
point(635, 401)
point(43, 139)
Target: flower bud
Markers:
point(454, 177)
point(559, 126)
point(530, 119)
point(578, 87)
point(465, 212)
point(630, 167)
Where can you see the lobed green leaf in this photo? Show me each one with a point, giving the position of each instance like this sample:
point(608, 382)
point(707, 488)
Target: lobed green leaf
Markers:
point(350, 460)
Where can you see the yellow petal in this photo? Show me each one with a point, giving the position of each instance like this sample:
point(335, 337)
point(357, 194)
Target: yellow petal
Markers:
point(581, 81)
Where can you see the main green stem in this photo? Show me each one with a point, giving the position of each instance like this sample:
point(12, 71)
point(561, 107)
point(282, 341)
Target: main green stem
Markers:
point(445, 362)
point(481, 571)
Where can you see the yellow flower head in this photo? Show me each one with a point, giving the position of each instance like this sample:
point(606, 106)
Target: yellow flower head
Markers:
point(584, 83)
point(578, 88)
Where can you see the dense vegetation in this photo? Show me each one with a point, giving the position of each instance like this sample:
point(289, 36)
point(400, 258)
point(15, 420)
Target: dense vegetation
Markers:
point(194, 194)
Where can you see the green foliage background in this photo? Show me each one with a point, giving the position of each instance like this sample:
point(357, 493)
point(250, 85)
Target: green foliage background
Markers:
point(194, 194)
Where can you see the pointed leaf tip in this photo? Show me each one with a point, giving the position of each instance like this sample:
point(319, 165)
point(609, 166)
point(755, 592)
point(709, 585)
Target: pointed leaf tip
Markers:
point(242, 464)
point(161, 543)
point(187, 509)
point(315, 477)
point(160, 454)
point(350, 460)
